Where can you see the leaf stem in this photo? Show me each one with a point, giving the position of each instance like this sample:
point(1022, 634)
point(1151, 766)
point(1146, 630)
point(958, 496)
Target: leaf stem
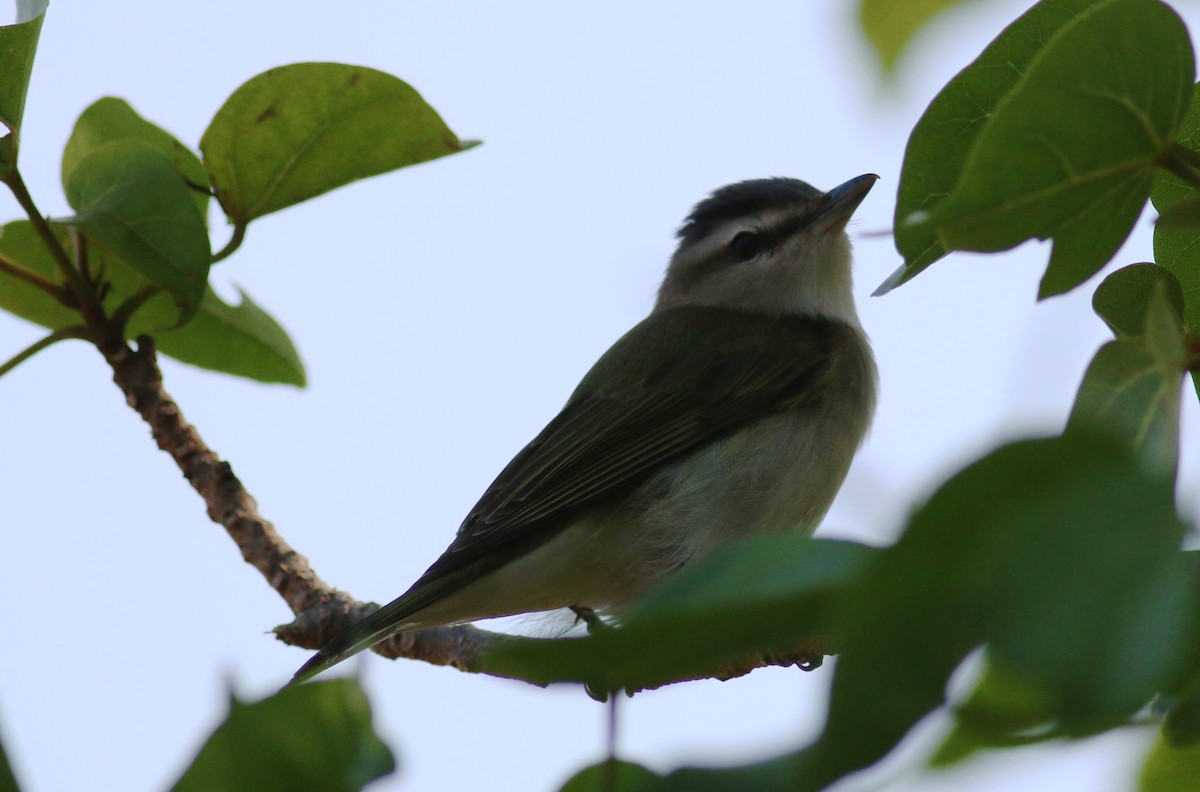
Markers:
point(1184, 163)
point(10, 267)
point(235, 242)
point(75, 331)
point(129, 307)
point(89, 304)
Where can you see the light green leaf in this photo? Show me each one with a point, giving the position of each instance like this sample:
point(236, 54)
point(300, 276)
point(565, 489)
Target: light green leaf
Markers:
point(1069, 152)
point(891, 24)
point(18, 44)
point(129, 198)
point(1170, 769)
point(242, 340)
point(111, 119)
point(298, 131)
point(765, 594)
point(20, 244)
point(307, 738)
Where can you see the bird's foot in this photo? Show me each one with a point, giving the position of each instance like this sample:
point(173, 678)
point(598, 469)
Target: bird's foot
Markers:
point(594, 623)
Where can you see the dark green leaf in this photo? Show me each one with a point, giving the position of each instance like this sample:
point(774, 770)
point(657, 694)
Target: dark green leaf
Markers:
point(614, 776)
point(1183, 216)
point(949, 128)
point(298, 131)
point(775, 775)
point(1050, 553)
point(1170, 769)
point(1070, 151)
point(1000, 705)
point(1132, 388)
point(129, 198)
point(1181, 727)
point(765, 594)
point(18, 44)
point(8, 780)
point(1176, 248)
point(1123, 299)
point(110, 119)
point(890, 24)
point(1127, 393)
point(242, 340)
point(314, 738)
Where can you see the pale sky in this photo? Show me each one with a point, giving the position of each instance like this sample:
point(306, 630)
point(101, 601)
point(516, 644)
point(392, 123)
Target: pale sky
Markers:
point(445, 312)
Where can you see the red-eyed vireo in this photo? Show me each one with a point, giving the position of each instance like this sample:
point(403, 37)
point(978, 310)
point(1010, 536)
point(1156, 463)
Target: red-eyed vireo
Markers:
point(734, 409)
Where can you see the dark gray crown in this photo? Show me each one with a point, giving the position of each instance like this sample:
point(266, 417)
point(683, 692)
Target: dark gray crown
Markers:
point(741, 200)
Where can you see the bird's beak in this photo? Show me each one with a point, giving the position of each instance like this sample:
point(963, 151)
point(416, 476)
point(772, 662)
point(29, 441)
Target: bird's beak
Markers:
point(841, 201)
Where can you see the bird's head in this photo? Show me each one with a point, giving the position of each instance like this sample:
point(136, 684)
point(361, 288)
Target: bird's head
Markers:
point(772, 246)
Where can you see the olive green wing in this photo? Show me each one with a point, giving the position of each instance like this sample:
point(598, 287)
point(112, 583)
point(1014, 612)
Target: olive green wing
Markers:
point(675, 383)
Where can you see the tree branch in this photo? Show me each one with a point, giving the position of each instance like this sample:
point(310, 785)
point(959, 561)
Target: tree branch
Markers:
point(321, 610)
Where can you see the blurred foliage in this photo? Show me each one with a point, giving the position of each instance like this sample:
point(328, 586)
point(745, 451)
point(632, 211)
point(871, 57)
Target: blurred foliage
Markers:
point(311, 738)
point(1050, 573)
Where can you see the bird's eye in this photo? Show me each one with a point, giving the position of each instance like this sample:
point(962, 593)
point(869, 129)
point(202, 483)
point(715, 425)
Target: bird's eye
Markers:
point(744, 245)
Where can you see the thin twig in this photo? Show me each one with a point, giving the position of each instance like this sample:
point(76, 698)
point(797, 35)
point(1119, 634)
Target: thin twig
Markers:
point(62, 334)
point(60, 295)
point(126, 310)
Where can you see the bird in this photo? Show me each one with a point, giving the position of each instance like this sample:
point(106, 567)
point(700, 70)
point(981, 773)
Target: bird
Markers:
point(733, 410)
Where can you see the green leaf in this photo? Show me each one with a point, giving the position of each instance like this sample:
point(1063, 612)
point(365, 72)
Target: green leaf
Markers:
point(942, 140)
point(111, 119)
point(891, 24)
point(1000, 705)
point(1127, 393)
point(1050, 553)
point(129, 198)
point(1170, 769)
point(20, 244)
point(775, 775)
point(1067, 151)
point(1183, 216)
point(765, 594)
point(1175, 248)
point(1131, 389)
point(298, 131)
point(1123, 299)
point(611, 776)
point(1181, 727)
point(8, 779)
point(18, 44)
point(242, 340)
point(314, 737)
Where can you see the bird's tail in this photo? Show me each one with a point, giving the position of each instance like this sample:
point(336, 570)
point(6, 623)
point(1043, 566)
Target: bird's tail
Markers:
point(383, 623)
